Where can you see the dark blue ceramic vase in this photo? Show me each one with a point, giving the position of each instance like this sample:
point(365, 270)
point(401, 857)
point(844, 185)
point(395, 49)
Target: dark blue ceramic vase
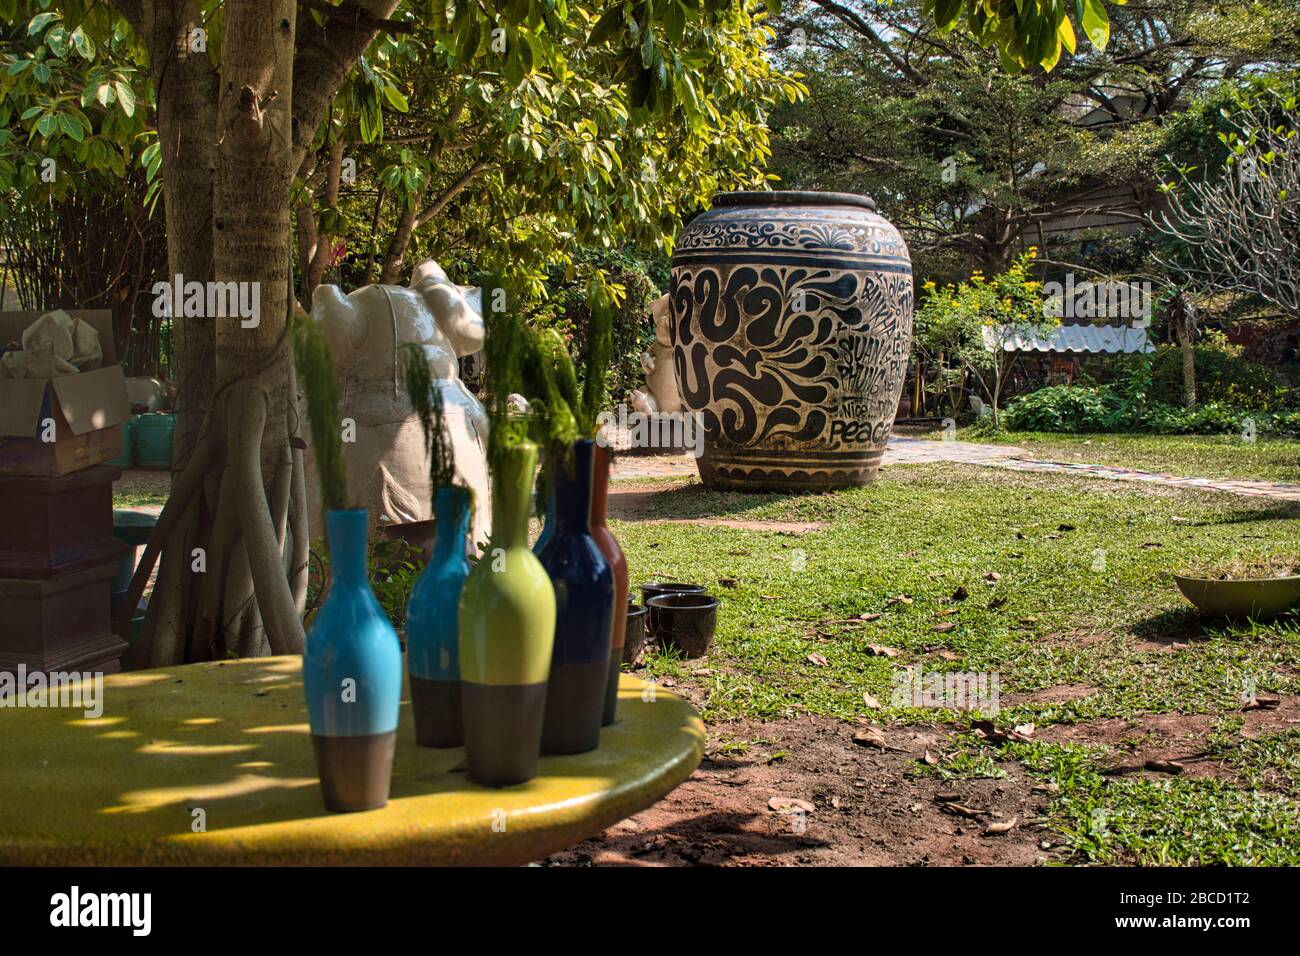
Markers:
point(433, 629)
point(352, 676)
point(584, 599)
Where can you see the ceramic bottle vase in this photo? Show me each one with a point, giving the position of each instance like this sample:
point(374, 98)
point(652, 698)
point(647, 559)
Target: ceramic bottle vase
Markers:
point(507, 630)
point(432, 628)
point(352, 675)
point(584, 621)
point(608, 545)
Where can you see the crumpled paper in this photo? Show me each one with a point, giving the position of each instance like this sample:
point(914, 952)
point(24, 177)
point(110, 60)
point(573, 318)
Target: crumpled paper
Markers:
point(55, 344)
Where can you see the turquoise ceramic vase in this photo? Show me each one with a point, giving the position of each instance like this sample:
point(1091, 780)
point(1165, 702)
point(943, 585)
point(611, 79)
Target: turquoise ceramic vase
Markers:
point(432, 625)
point(584, 621)
point(507, 627)
point(352, 675)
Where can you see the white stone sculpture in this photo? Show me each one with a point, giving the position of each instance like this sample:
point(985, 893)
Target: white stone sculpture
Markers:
point(661, 394)
point(387, 467)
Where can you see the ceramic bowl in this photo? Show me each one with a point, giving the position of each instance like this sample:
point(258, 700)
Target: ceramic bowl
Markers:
point(685, 620)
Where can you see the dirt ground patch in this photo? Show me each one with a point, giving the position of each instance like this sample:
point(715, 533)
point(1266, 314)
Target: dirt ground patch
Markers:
point(868, 806)
point(1181, 738)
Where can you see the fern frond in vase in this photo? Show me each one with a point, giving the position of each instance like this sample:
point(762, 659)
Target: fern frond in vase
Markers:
point(315, 368)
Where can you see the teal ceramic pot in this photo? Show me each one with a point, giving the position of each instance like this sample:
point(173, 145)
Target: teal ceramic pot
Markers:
point(352, 676)
point(433, 625)
point(153, 439)
point(584, 622)
point(507, 630)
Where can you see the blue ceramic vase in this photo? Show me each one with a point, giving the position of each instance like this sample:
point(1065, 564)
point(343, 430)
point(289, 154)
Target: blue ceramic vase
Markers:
point(584, 619)
point(432, 625)
point(352, 675)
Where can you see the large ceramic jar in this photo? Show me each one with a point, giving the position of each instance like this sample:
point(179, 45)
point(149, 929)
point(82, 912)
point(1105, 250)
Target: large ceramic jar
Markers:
point(792, 321)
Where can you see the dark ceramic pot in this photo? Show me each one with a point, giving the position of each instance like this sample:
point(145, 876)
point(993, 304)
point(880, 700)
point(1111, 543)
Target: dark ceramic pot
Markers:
point(791, 326)
point(635, 632)
point(584, 613)
point(684, 621)
point(656, 588)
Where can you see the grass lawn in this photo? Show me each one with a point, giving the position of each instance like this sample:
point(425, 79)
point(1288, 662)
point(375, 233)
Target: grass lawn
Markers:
point(1060, 587)
point(1194, 456)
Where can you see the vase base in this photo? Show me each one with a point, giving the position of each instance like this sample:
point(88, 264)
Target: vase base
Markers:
point(611, 687)
point(436, 707)
point(355, 772)
point(751, 470)
point(575, 704)
point(503, 731)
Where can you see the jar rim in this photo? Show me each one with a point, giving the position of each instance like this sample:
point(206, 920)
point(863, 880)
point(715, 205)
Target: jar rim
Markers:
point(792, 197)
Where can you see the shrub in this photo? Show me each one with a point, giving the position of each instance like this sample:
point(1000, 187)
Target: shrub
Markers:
point(1221, 376)
point(1079, 409)
point(1061, 408)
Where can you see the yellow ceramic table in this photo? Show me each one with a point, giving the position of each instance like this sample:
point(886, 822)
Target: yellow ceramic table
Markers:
point(226, 745)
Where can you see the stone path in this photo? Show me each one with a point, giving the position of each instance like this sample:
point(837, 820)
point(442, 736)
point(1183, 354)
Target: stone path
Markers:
point(906, 451)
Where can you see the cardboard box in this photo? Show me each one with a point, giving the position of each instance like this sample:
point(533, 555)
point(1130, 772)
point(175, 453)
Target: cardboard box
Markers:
point(88, 408)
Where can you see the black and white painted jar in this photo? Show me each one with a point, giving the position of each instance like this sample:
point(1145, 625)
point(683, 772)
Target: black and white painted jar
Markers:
point(791, 325)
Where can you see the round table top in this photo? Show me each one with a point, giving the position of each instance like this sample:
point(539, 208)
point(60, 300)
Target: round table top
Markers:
point(226, 745)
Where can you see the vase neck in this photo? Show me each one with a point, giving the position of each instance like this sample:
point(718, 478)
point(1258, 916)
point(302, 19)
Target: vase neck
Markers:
point(451, 514)
point(573, 490)
point(348, 537)
point(600, 485)
point(511, 486)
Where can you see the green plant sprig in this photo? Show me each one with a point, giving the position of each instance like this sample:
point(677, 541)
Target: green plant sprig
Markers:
point(315, 369)
point(600, 351)
point(502, 378)
point(426, 399)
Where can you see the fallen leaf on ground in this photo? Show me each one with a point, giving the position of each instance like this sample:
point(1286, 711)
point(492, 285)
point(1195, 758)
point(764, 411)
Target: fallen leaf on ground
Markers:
point(818, 660)
point(870, 737)
point(961, 810)
point(880, 650)
point(1001, 827)
point(929, 759)
point(993, 577)
point(727, 582)
point(871, 702)
point(869, 617)
point(899, 599)
point(949, 655)
point(944, 628)
point(1025, 730)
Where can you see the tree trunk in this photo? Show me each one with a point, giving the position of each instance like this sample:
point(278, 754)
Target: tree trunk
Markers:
point(1183, 314)
point(232, 538)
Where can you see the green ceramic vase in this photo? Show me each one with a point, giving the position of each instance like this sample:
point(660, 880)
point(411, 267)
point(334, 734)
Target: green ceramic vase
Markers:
point(507, 632)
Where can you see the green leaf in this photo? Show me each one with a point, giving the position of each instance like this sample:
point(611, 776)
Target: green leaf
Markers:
point(946, 13)
point(608, 24)
point(1096, 23)
point(395, 98)
point(40, 22)
point(125, 97)
point(675, 22)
